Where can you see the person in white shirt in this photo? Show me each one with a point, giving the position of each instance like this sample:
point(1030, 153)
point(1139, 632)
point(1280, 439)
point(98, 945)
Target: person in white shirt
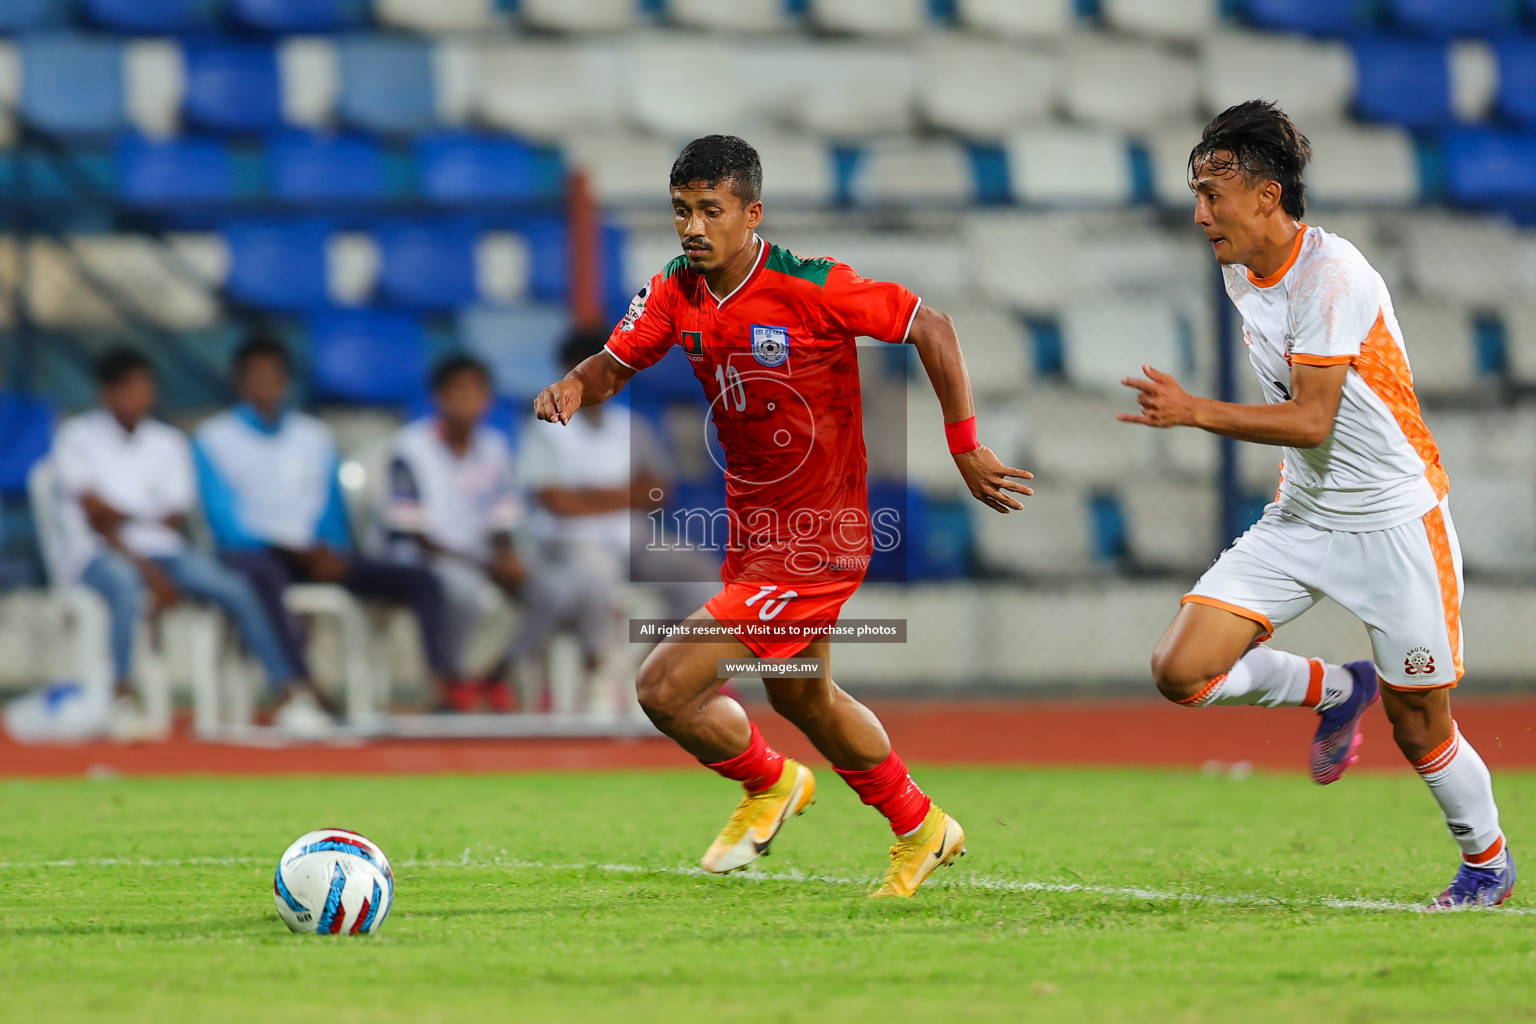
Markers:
point(126, 487)
point(1362, 514)
point(453, 505)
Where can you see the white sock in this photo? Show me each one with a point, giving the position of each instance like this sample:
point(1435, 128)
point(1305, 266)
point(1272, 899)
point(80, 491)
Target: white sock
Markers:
point(1461, 785)
point(1277, 679)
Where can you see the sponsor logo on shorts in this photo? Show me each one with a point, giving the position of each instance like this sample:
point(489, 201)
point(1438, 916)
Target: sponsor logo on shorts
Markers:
point(1420, 662)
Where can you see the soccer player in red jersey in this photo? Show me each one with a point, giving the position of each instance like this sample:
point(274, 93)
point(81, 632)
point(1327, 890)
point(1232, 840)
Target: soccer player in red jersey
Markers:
point(771, 338)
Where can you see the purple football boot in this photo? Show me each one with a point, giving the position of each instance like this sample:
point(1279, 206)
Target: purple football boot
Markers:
point(1337, 739)
point(1478, 887)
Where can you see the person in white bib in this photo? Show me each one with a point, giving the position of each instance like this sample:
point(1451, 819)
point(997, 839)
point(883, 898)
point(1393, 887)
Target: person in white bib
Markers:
point(1362, 513)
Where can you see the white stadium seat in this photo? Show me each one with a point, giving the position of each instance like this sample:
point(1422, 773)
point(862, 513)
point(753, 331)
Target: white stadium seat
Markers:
point(1050, 537)
point(1495, 519)
point(996, 347)
point(456, 79)
point(1031, 261)
point(10, 74)
point(869, 17)
point(929, 464)
point(1440, 350)
point(1519, 316)
point(796, 171)
point(856, 93)
point(623, 169)
point(1466, 258)
point(900, 173)
point(1374, 166)
point(1314, 81)
point(431, 16)
point(1487, 442)
point(736, 16)
point(1074, 436)
point(154, 85)
point(503, 262)
point(309, 70)
point(1109, 339)
point(1167, 19)
point(579, 15)
point(1474, 79)
point(984, 88)
point(547, 91)
point(60, 295)
point(352, 262)
point(1013, 18)
point(1127, 84)
point(1069, 167)
point(1168, 149)
point(1171, 525)
point(656, 70)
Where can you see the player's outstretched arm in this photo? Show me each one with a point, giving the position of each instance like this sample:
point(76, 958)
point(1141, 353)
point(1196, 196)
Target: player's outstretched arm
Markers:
point(933, 335)
point(594, 380)
point(1305, 421)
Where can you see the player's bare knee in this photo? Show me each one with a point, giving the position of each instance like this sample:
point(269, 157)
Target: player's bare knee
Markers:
point(1175, 678)
point(800, 700)
point(657, 691)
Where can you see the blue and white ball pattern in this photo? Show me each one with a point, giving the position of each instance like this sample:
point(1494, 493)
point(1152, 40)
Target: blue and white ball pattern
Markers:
point(333, 882)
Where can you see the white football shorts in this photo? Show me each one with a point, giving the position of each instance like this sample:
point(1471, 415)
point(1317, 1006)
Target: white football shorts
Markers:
point(1404, 583)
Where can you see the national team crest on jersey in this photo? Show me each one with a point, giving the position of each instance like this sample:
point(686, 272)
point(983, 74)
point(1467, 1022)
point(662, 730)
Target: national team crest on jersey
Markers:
point(693, 344)
point(636, 309)
point(1420, 662)
point(770, 345)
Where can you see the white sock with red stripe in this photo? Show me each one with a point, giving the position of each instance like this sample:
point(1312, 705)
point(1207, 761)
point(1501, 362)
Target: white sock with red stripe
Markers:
point(1277, 679)
point(1462, 787)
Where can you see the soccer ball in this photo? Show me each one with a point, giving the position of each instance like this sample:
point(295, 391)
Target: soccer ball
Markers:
point(333, 881)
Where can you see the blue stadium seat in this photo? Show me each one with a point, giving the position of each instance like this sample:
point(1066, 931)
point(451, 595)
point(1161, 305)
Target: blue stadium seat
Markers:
point(1484, 167)
point(305, 168)
point(1455, 17)
point(300, 15)
point(233, 87)
point(461, 168)
point(278, 264)
point(26, 432)
point(367, 356)
point(519, 343)
point(155, 15)
point(1517, 78)
point(1404, 81)
point(72, 84)
point(178, 171)
point(894, 506)
point(1318, 17)
point(386, 84)
point(943, 539)
point(549, 277)
point(427, 265)
point(22, 15)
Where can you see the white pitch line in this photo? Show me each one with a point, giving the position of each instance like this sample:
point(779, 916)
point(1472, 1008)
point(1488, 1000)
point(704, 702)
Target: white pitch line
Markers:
point(467, 860)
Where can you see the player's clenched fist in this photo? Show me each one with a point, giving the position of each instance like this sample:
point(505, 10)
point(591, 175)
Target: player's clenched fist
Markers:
point(1163, 402)
point(988, 479)
point(558, 402)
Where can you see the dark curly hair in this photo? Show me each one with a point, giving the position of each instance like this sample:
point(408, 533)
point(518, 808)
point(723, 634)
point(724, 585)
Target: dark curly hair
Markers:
point(720, 160)
point(1258, 141)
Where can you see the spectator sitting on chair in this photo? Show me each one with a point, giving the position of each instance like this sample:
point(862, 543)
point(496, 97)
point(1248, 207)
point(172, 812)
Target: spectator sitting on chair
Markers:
point(452, 505)
point(269, 481)
point(127, 486)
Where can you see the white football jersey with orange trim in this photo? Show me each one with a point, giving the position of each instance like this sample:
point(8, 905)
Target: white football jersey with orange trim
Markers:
point(1327, 305)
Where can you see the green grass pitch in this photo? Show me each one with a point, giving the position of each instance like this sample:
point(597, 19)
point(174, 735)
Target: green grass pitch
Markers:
point(569, 898)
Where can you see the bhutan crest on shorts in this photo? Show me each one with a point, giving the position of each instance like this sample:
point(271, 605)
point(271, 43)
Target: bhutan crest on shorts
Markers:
point(1420, 662)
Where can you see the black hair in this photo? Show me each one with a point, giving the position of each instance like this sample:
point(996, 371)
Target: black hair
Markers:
point(262, 346)
point(113, 365)
point(718, 160)
point(1257, 140)
point(580, 343)
point(455, 365)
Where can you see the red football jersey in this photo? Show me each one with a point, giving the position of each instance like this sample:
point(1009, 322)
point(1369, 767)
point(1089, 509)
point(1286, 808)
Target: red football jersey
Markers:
point(779, 367)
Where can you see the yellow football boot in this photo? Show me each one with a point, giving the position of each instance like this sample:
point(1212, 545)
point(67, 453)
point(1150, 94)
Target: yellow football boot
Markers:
point(938, 841)
point(758, 819)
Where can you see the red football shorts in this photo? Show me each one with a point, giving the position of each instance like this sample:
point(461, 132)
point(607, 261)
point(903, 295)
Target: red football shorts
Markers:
point(779, 620)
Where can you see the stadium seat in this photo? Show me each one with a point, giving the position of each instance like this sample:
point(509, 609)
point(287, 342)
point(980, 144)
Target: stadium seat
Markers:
point(232, 87)
point(1517, 78)
point(1518, 316)
point(72, 84)
point(579, 15)
point(1454, 17)
point(519, 343)
point(1074, 436)
point(174, 172)
point(142, 17)
point(1011, 18)
point(1404, 81)
point(26, 15)
point(902, 173)
point(1475, 261)
point(299, 15)
point(1474, 70)
point(984, 88)
point(465, 168)
point(1484, 167)
point(995, 345)
point(1108, 340)
point(1069, 166)
point(367, 356)
point(1168, 151)
point(796, 171)
point(1313, 80)
point(430, 17)
point(624, 169)
point(1059, 541)
point(1496, 523)
point(657, 70)
point(1487, 441)
point(858, 92)
point(868, 17)
point(352, 267)
point(1315, 17)
point(309, 80)
point(307, 168)
point(278, 264)
point(1167, 19)
point(1009, 253)
point(1171, 526)
point(1373, 166)
point(386, 84)
point(547, 90)
point(1127, 85)
point(426, 265)
point(154, 85)
point(738, 16)
point(503, 266)
point(26, 425)
point(1440, 349)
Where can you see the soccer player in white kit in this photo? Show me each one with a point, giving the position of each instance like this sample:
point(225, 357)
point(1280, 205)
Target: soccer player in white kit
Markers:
point(1361, 515)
